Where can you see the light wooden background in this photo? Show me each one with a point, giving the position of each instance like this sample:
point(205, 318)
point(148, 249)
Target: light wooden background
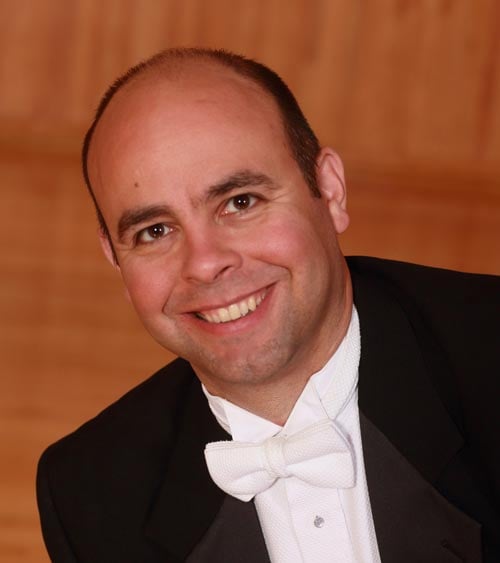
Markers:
point(408, 91)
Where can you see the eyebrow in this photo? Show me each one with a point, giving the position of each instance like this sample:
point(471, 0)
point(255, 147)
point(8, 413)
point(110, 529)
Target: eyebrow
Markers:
point(133, 217)
point(240, 179)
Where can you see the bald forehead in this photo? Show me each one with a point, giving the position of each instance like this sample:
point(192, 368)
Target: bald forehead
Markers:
point(197, 79)
point(194, 103)
point(178, 87)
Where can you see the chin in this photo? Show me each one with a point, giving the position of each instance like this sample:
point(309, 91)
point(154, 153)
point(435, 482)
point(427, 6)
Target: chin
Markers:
point(267, 364)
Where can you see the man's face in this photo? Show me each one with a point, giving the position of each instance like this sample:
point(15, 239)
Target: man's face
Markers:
point(226, 256)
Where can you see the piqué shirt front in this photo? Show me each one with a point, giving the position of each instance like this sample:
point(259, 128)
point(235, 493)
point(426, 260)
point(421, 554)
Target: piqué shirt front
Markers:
point(302, 523)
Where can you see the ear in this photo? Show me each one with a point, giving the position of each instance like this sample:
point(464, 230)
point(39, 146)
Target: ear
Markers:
point(108, 249)
point(110, 255)
point(331, 184)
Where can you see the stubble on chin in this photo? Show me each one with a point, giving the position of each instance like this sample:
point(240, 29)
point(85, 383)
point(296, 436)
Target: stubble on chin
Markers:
point(247, 369)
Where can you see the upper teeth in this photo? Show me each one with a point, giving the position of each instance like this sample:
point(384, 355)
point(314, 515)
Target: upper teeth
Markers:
point(233, 311)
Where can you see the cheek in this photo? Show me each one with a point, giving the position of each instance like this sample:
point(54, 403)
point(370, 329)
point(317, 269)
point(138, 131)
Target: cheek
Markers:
point(292, 241)
point(148, 287)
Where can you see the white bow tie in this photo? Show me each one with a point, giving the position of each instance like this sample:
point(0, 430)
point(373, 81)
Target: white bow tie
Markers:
point(318, 455)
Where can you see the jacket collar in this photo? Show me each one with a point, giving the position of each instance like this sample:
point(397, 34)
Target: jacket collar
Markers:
point(408, 436)
point(399, 366)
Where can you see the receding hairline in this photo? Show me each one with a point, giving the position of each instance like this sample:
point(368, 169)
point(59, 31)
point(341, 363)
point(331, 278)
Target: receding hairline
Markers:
point(175, 63)
point(151, 84)
point(174, 69)
point(178, 70)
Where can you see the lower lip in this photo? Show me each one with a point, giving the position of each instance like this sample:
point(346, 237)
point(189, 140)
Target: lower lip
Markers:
point(241, 324)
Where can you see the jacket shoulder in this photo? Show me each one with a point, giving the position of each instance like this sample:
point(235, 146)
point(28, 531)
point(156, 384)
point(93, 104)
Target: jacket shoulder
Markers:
point(405, 271)
point(461, 311)
point(466, 306)
point(153, 404)
point(109, 469)
point(455, 318)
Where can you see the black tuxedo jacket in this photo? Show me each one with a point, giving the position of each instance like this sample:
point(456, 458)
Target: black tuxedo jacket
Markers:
point(131, 485)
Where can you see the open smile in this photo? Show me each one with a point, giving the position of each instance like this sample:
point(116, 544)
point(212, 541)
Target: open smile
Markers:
point(234, 311)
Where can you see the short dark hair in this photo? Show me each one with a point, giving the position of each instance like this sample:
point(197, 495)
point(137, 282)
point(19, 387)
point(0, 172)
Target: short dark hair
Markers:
point(302, 141)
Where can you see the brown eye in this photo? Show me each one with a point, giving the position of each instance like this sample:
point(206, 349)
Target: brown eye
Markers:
point(156, 231)
point(152, 233)
point(240, 202)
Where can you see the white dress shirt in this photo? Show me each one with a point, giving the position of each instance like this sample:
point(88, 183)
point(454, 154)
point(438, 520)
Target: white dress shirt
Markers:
point(302, 523)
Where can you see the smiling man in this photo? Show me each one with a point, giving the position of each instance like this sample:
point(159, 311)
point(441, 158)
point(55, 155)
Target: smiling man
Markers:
point(321, 409)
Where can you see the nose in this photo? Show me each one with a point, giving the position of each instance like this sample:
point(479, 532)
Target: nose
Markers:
point(209, 256)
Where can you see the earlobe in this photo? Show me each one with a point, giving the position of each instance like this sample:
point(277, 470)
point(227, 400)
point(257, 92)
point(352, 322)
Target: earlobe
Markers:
point(331, 184)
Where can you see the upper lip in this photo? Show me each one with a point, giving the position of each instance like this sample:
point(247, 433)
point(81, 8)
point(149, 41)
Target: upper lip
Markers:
point(227, 302)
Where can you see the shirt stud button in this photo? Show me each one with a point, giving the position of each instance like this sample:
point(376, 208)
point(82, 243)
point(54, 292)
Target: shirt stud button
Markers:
point(319, 522)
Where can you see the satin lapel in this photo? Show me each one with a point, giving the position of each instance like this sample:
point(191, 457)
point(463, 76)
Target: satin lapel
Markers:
point(192, 519)
point(396, 383)
point(413, 522)
point(235, 535)
point(404, 414)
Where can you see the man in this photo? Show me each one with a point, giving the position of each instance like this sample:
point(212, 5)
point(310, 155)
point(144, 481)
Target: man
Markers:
point(359, 395)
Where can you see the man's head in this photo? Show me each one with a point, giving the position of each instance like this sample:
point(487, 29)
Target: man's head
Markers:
point(228, 257)
point(301, 138)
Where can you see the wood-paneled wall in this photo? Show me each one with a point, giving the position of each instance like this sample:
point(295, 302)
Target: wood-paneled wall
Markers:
point(407, 91)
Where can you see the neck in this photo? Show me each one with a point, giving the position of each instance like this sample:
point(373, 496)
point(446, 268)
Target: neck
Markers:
point(273, 402)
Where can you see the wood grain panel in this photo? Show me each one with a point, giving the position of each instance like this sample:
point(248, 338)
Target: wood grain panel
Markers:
point(408, 91)
point(69, 341)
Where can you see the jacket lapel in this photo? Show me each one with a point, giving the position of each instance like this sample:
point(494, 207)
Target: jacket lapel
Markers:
point(235, 535)
point(396, 385)
point(413, 522)
point(192, 519)
point(408, 436)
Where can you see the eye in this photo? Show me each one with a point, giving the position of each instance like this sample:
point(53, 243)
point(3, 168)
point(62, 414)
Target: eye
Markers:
point(152, 233)
point(239, 203)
